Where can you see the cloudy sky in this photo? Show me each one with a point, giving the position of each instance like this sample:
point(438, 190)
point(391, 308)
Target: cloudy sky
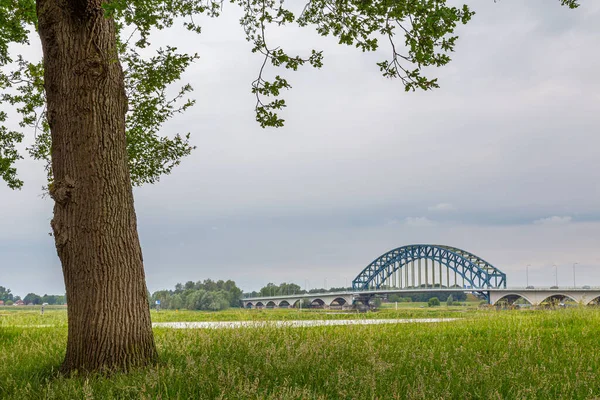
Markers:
point(503, 160)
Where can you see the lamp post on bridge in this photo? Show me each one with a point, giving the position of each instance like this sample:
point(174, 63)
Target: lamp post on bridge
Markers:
point(555, 275)
point(527, 274)
point(574, 264)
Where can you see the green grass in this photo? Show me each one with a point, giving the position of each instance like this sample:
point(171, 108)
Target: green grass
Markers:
point(552, 354)
point(294, 314)
point(57, 316)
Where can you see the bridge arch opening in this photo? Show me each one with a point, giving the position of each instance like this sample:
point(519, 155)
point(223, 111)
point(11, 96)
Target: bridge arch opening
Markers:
point(558, 299)
point(271, 304)
point(249, 305)
point(284, 304)
point(296, 304)
point(594, 302)
point(513, 299)
point(363, 300)
point(338, 303)
point(260, 304)
point(317, 303)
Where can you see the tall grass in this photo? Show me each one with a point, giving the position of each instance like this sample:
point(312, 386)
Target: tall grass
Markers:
point(485, 355)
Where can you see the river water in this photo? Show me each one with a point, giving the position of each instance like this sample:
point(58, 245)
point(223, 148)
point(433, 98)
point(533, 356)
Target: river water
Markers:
point(300, 323)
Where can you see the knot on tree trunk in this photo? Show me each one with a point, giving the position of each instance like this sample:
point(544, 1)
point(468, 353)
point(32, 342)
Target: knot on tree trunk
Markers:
point(60, 235)
point(82, 9)
point(61, 190)
point(93, 66)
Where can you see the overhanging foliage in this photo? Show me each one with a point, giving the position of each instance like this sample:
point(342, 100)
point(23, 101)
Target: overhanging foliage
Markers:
point(417, 34)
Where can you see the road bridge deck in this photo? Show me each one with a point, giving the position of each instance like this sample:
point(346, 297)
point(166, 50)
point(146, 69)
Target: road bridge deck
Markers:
point(534, 296)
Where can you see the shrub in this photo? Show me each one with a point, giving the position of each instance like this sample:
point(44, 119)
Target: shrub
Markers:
point(433, 302)
point(393, 298)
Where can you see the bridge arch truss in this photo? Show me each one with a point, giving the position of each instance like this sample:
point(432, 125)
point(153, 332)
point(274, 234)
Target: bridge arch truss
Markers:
point(427, 265)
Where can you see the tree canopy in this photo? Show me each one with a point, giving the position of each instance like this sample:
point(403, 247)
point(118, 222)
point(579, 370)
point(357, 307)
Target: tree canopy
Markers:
point(416, 34)
point(5, 294)
point(202, 295)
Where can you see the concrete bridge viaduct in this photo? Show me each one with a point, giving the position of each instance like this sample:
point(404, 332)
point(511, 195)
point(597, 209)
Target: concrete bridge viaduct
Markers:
point(342, 300)
point(345, 300)
point(423, 268)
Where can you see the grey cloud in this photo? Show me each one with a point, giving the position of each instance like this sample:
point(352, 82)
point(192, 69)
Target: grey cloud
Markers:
point(554, 220)
point(420, 222)
point(442, 207)
point(510, 138)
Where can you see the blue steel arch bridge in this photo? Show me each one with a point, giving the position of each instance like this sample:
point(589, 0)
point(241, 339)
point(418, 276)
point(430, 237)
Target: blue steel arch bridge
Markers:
point(420, 268)
point(414, 266)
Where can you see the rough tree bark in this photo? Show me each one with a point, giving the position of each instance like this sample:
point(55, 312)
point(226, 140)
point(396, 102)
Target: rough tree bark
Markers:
point(94, 222)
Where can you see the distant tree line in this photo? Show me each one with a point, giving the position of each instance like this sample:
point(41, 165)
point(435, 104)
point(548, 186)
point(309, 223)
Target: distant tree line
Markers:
point(284, 289)
point(33, 298)
point(202, 295)
point(9, 298)
point(425, 297)
point(6, 295)
point(219, 295)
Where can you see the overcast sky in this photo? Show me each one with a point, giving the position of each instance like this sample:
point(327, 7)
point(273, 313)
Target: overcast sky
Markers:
point(503, 161)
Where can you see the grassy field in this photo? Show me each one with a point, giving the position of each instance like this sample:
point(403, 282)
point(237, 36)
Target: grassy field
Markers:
point(487, 354)
point(56, 316)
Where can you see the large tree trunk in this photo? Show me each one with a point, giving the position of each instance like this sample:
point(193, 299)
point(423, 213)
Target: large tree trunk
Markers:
point(94, 219)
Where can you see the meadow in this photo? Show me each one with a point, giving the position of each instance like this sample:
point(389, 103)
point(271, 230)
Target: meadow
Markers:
point(485, 354)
